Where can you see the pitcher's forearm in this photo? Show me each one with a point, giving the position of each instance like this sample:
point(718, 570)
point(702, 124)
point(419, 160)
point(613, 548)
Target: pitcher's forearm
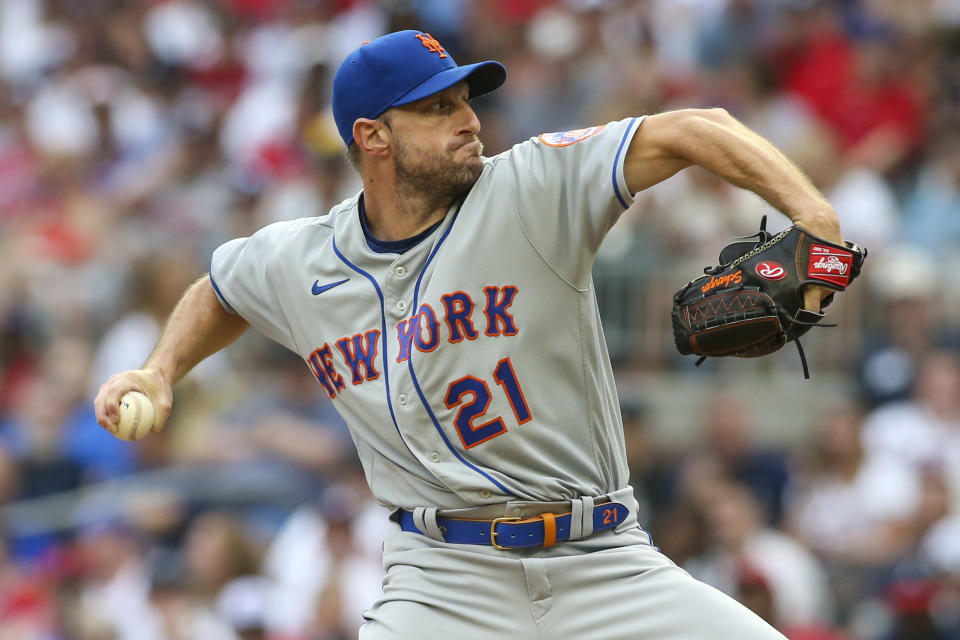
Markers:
point(198, 327)
point(754, 163)
point(718, 142)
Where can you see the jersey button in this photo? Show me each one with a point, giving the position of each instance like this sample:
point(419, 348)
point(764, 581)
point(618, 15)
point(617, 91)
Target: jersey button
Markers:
point(400, 271)
point(402, 398)
point(401, 305)
point(435, 456)
point(485, 493)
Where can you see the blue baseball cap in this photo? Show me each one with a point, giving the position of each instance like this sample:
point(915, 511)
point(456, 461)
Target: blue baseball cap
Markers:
point(400, 68)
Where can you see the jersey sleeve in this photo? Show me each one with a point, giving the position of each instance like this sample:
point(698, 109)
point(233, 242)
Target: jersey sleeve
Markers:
point(570, 189)
point(242, 273)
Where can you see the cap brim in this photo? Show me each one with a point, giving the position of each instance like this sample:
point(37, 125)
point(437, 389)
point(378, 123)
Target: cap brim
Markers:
point(483, 77)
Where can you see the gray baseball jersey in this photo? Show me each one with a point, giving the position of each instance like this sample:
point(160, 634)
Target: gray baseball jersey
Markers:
point(472, 368)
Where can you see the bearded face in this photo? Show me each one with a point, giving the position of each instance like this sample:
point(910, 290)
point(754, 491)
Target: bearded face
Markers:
point(442, 174)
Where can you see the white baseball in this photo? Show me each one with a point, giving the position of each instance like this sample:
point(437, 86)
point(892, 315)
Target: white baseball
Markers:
point(136, 416)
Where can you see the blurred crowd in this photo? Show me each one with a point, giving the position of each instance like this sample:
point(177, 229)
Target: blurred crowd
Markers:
point(137, 135)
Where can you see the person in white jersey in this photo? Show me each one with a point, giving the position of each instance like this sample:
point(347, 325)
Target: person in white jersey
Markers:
point(448, 312)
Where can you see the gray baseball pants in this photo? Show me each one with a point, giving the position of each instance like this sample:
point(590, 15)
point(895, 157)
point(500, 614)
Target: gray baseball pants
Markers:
point(611, 586)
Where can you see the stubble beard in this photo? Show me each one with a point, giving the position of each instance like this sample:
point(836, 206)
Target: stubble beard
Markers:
point(433, 175)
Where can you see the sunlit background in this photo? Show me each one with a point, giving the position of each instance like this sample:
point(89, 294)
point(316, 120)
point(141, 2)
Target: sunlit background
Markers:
point(136, 136)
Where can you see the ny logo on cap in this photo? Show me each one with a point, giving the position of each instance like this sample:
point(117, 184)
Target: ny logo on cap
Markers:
point(431, 44)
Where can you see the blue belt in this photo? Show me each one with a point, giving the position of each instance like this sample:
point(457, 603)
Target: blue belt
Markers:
point(544, 530)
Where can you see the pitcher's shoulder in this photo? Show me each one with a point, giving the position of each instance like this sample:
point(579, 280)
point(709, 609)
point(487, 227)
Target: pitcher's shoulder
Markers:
point(312, 228)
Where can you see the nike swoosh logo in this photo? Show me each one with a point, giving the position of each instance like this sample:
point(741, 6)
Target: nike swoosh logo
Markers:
point(318, 288)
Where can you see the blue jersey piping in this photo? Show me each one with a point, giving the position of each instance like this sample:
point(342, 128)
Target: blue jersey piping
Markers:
point(220, 295)
point(383, 334)
point(616, 163)
point(413, 374)
point(416, 384)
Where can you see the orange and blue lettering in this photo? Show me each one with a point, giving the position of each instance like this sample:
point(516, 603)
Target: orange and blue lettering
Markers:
point(479, 400)
point(496, 311)
point(506, 377)
point(427, 320)
point(405, 332)
point(458, 307)
point(321, 364)
point(361, 350)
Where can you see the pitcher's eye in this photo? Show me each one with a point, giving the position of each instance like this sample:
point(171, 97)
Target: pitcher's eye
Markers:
point(440, 106)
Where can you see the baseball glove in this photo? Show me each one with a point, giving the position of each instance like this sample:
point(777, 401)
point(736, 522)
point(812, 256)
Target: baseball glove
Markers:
point(751, 304)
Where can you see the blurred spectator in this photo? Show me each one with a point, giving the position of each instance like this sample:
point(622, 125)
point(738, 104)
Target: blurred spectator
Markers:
point(912, 325)
point(859, 84)
point(924, 430)
point(281, 427)
point(652, 469)
point(18, 335)
point(851, 508)
point(30, 42)
point(695, 213)
point(939, 546)
point(863, 199)
point(913, 607)
point(34, 438)
point(184, 33)
point(730, 447)
point(242, 604)
point(734, 36)
point(181, 612)
point(753, 590)
point(847, 504)
point(216, 550)
point(782, 118)
point(26, 607)
point(115, 598)
point(156, 284)
point(324, 570)
point(51, 430)
point(675, 25)
point(741, 542)
point(932, 220)
point(935, 510)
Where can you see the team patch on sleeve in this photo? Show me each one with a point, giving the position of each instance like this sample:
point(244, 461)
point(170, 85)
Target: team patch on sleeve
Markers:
point(566, 138)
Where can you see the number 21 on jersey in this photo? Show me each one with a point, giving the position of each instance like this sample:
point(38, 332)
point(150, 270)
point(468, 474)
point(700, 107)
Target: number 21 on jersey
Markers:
point(473, 397)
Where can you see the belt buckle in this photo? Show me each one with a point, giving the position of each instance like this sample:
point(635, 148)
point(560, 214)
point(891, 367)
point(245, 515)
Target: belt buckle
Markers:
point(493, 531)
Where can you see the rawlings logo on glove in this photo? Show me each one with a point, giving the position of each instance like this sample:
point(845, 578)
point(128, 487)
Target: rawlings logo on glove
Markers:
point(770, 270)
point(752, 303)
point(829, 261)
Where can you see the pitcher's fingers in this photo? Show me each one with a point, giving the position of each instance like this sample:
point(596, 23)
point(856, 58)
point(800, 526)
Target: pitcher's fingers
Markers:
point(162, 405)
point(107, 416)
point(812, 297)
point(110, 394)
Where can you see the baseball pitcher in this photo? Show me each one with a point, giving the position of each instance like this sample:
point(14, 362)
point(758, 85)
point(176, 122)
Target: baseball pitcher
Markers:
point(447, 311)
